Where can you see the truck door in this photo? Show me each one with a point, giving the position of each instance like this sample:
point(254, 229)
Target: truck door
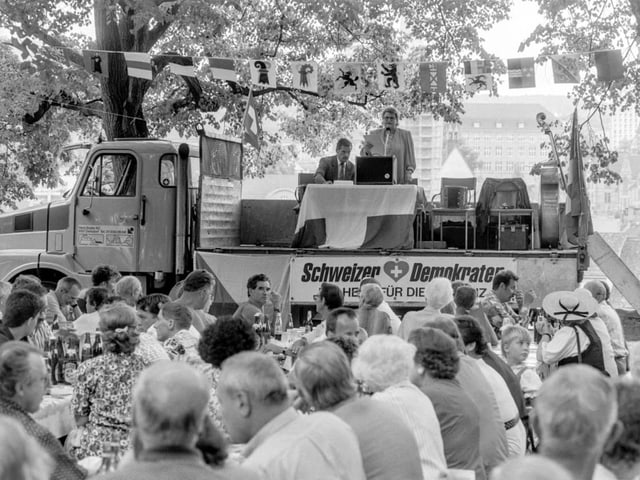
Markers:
point(107, 212)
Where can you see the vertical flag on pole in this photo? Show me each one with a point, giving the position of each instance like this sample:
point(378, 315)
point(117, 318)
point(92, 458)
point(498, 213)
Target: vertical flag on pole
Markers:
point(185, 68)
point(478, 75)
point(566, 68)
point(223, 69)
point(433, 77)
point(391, 76)
point(578, 224)
point(139, 65)
point(609, 65)
point(521, 72)
point(305, 76)
point(250, 123)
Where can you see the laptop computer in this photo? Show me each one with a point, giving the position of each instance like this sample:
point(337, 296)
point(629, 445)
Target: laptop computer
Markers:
point(375, 170)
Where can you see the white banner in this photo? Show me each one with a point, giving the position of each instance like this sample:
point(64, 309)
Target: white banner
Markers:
point(403, 279)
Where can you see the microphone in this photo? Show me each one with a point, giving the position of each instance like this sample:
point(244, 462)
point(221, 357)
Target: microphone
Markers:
point(387, 134)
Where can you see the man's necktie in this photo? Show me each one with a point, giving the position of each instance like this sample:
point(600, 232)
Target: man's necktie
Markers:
point(341, 176)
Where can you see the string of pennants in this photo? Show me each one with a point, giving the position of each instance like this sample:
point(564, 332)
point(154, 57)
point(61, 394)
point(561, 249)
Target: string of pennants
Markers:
point(348, 77)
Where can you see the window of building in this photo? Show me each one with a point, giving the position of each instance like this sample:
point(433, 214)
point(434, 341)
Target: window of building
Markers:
point(476, 124)
point(520, 124)
point(488, 150)
point(607, 197)
point(498, 150)
point(498, 124)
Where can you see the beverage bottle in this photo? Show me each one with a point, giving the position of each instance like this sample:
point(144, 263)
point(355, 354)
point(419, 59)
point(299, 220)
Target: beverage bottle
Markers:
point(277, 327)
point(86, 347)
point(55, 325)
point(308, 326)
point(108, 458)
point(266, 329)
point(71, 361)
point(97, 346)
point(53, 360)
point(60, 365)
point(290, 323)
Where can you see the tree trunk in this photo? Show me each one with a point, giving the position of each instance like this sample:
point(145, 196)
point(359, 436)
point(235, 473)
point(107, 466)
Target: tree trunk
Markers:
point(122, 95)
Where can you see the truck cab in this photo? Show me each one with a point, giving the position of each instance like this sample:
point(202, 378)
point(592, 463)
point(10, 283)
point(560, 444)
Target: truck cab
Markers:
point(121, 211)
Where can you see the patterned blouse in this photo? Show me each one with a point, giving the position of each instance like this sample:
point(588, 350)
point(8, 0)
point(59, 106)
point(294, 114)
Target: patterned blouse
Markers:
point(103, 393)
point(65, 467)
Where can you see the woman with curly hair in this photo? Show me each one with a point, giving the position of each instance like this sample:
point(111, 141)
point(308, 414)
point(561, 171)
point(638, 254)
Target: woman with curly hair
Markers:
point(436, 364)
point(101, 399)
point(220, 341)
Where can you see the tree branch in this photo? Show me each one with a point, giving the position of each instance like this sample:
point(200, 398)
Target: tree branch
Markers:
point(52, 41)
point(66, 101)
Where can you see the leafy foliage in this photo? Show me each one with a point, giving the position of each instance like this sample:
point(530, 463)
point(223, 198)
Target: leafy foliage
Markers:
point(587, 26)
point(64, 97)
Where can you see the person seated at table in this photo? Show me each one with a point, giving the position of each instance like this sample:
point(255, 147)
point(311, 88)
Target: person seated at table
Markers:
point(220, 341)
point(23, 382)
point(22, 457)
point(436, 364)
point(392, 141)
point(88, 322)
point(21, 314)
point(323, 378)
point(338, 166)
point(262, 301)
point(101, 399)
point(370, 317)
point(169, 419)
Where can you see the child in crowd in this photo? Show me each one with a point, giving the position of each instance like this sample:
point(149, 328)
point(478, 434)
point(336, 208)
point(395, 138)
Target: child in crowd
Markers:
point(515, 350)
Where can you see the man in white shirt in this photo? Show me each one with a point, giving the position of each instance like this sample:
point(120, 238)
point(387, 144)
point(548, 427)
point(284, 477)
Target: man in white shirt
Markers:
point(281, 444)
point(329, 297)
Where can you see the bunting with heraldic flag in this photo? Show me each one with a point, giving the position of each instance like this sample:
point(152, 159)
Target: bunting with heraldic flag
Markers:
point(347, 78)
point(521, 72)
point(250, 123)
point(263, 72)
point(96, 62)
point(391, 76)
point(184, 69)
point(566, 68)
point(139, 65)
point(609, 65)
point(223, 69)
point(477, 75)
point(433, 77)
point(305, 76)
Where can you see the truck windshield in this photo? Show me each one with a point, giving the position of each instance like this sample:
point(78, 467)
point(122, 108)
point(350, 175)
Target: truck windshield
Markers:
point(112, 175)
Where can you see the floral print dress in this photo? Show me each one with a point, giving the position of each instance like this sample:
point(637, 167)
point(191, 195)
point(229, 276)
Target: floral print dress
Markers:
point(103, 393)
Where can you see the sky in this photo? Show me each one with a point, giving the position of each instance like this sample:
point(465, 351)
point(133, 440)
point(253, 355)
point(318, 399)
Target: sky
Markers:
point(504, 39)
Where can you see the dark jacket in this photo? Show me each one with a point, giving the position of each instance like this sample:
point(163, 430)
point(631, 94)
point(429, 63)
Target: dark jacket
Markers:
point(328, 169)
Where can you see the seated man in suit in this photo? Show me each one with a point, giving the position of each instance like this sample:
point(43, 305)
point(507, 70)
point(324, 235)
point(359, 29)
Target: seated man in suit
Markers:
point(336, 167)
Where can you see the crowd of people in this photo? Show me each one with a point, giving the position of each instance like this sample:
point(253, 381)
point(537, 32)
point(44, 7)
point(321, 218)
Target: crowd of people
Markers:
point(447, 392)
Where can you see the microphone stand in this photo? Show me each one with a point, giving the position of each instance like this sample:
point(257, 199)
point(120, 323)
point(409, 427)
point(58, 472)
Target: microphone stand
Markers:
point(387, 134)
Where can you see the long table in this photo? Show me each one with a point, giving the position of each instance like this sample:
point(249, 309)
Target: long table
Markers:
point(357, 216)
point(55, 411)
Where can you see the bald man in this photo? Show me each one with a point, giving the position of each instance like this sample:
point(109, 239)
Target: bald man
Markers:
point(169, 413)
point(612, 321)
point(575, 416)
point(282, 444)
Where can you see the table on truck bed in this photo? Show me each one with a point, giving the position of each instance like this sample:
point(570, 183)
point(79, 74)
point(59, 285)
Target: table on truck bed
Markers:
point(357, 216)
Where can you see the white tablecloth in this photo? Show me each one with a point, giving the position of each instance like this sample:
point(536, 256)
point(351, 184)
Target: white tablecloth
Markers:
point(55, 411)
point(350, 216)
